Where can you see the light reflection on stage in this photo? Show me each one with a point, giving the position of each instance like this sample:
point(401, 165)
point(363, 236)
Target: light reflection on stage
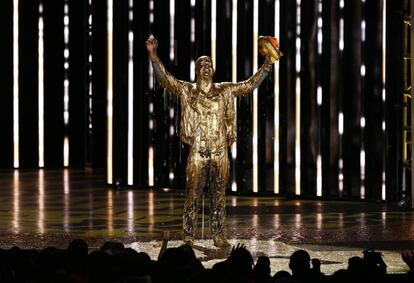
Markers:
point(51, 207)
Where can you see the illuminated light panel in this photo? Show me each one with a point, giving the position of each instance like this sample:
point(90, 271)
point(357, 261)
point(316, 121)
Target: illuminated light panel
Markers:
point(41, 93)
point(130, 169)
point(109, 95)
point(151, 105)
point(320, 24)
point(151, 166)
point(362, 119)
point(276, 90)
point(66, 150)
point(16, 157)
point(255, 99)
point(171, 176)
point(384, 92)
point(319, 176)
point(213, 31)
point(297, 100)
point(172, 36)
point(341, 123)
point(234, 80)
point(66, 83)
point(362, 162)
point(192, 70)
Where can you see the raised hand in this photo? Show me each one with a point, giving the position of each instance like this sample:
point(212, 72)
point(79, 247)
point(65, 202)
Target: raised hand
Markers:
point(152, 45)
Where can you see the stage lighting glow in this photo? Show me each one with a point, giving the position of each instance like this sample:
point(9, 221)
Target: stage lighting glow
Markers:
point(234, 79)
point(192, 70)
point(341, 123)
point(109, 95)
point(384, 92)
point(151, 105)
point(320, 24)
point(363, 70)
point(319, 176)
point(362, 122)
point(362, 162)
point(213, 31)
point(255, 99)
point(341, 34)
point(363, 30)
point(151, 166)
point(130, 176)
point(40, 89)
point(319, 96)
point(234, 186)
point(297, 100)
point(276, 90)
point(66, 84)
point(172, 35)
point(16, 84)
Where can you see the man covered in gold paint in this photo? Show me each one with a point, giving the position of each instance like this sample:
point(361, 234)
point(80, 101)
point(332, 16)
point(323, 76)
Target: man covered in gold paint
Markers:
point(208, 126)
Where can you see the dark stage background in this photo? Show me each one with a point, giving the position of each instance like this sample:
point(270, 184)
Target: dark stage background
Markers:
point(340, 120)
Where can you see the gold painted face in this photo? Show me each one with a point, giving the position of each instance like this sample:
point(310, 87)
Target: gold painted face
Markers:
point(204, 68)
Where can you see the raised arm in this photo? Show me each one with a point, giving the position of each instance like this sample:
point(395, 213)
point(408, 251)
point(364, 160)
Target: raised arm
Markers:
point(247, 86)
point(163, 76)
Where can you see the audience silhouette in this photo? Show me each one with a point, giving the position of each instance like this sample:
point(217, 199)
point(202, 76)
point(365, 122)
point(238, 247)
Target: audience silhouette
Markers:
point(113, 263)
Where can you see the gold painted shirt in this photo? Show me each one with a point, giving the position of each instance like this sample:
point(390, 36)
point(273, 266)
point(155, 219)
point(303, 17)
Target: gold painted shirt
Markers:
point(208, 120)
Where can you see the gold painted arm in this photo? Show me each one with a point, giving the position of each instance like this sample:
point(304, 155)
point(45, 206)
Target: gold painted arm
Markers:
point(165, 78)
point(247, 86)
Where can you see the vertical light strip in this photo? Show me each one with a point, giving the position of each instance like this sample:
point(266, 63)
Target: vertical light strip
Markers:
point(109, 95)
point(255, 100)
point(213, 31)
point(172, 28)
point(362, 119)
point(150, 106)
point(297, 99)
point(340, 115)
point(40, 90)
point(384, 94)
point(319, 99)
point(131, 95)
point(66, 84)
point(340, 160)
point(234, 80)
point(16, 157)
point(192, 39)
point(276, 141)
point(171, 107)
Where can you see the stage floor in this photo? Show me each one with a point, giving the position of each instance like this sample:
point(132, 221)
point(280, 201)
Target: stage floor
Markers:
point(40, 208)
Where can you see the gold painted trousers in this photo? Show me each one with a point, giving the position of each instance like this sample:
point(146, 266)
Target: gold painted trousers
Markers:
point(212, 171)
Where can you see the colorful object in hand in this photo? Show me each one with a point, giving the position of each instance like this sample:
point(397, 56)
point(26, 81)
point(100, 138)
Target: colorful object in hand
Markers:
point(269, 47)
